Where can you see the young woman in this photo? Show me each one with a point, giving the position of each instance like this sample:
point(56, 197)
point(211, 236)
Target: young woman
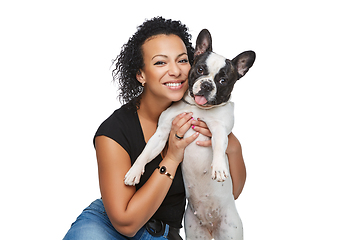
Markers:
point(152, 70)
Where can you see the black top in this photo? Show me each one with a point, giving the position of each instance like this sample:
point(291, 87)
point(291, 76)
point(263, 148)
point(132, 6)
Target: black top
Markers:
point(123, 126)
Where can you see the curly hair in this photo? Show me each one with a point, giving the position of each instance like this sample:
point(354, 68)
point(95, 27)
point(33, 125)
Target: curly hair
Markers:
point(130, 60)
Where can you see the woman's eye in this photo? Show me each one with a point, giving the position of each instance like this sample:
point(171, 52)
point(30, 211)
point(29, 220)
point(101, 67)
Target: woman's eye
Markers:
point(184, 61)
point(159, 63)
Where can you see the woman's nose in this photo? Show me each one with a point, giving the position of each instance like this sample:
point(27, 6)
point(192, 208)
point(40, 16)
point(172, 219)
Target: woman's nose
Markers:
point(174, 70)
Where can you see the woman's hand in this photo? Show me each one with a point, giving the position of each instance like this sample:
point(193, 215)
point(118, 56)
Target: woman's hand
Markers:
point(201, 127)
point(177, 143)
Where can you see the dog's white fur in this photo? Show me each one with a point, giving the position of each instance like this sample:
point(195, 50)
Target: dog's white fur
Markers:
point(211, 211)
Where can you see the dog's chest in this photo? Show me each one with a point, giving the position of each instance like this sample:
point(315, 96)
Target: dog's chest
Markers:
point(196, 168)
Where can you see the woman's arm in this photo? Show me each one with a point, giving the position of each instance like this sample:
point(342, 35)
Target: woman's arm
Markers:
point(237, 165)
point(128, 209)
point(234, 153)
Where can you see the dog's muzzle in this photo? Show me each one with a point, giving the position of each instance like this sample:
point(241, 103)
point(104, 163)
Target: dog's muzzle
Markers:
point(206, 86)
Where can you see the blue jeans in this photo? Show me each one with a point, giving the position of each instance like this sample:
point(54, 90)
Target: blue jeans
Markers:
point(93, 223)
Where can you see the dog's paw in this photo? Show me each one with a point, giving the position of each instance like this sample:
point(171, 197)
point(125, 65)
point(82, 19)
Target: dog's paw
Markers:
point(132, 177)
point(219, 173)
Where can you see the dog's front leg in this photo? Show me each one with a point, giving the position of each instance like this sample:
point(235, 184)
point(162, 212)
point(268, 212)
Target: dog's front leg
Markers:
point(220, 168)
point(152, 149)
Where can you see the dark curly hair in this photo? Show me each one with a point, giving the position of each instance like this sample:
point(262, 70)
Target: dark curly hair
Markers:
point(130, 60)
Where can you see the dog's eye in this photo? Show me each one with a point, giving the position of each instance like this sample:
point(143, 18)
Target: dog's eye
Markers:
point(200, 70)
point(222, 80)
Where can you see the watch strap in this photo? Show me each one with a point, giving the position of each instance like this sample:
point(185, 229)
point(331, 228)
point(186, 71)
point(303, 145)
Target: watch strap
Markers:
point(162, 170)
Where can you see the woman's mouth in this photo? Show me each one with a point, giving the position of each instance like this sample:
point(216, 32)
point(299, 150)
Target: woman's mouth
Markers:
point(174, 85)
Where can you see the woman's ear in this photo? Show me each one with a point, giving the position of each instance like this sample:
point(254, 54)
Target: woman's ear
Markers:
point(140, 77)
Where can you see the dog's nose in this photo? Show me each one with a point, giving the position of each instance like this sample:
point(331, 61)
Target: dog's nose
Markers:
point(207, 86)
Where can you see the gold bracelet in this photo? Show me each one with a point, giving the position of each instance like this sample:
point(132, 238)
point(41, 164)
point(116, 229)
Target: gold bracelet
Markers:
point(163, 171)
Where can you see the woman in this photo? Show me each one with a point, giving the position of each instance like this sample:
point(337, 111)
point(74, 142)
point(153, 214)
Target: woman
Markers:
point(152, 70)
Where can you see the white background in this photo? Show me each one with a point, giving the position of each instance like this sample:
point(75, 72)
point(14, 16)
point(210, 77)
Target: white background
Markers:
point(297, 110)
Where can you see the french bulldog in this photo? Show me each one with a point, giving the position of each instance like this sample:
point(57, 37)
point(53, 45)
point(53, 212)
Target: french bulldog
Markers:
point(211, 212)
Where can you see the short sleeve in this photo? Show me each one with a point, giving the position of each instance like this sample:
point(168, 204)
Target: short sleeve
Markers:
point(123, 127)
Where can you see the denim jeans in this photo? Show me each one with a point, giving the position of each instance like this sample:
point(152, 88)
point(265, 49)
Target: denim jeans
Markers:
point(94, 224)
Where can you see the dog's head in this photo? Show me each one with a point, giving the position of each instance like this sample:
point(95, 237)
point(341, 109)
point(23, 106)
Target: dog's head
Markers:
point(212, 77)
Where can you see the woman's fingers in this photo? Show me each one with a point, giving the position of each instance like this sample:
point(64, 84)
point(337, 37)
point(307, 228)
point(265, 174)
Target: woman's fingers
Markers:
point(201, 127)
point(177, 142)
point(182, 123)
point(206, 143)
point(190, 139)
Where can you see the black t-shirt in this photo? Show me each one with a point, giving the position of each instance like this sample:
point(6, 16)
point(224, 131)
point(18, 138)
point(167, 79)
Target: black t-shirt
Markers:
point(123, 126)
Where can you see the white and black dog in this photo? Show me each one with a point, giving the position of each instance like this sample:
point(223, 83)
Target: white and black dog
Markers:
point(211, 211)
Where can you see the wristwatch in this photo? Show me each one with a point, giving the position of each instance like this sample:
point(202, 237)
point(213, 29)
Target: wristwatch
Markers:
point(163, 171)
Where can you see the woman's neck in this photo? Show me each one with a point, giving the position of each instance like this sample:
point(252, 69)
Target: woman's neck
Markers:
point(151, 109)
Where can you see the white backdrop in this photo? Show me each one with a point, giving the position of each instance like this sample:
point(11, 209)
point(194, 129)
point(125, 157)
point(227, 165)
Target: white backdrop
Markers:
point(297, 110)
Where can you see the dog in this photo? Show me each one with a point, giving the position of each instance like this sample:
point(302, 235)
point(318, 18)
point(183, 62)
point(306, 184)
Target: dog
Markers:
point(211, 212)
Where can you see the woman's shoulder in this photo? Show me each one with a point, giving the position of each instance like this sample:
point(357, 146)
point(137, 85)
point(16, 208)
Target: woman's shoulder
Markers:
point(120, 125)
point(126, 113)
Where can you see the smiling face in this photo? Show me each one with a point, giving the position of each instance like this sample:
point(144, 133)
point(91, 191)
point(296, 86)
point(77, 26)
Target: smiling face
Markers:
point(166, 68)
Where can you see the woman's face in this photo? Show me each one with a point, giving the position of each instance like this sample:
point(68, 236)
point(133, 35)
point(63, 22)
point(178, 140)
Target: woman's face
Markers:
point(166, 67)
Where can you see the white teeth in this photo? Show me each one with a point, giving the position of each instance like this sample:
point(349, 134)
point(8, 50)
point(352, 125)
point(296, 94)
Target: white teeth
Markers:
point(172, 84)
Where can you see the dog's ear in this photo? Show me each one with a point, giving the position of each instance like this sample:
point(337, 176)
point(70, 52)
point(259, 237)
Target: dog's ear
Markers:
point(203, 43)
point(243, 62)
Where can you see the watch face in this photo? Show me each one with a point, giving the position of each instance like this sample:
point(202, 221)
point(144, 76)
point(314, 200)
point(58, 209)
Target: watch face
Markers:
point(162, 169)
